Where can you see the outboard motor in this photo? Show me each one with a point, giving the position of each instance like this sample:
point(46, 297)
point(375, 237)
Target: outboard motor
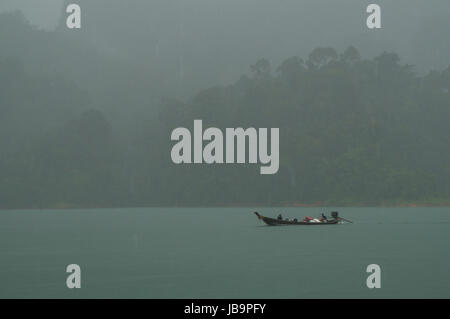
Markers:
point(335, 215)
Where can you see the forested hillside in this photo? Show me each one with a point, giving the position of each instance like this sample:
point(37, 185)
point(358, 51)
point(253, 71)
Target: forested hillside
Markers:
point(80, 129)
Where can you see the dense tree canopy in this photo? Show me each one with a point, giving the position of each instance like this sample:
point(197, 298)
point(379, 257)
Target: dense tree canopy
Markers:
point(352, 131)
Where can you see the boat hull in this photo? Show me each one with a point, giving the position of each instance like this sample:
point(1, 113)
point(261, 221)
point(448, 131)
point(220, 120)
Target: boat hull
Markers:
point(279, 222)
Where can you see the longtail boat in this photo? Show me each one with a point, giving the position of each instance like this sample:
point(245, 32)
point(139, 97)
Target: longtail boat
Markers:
point(278, 222)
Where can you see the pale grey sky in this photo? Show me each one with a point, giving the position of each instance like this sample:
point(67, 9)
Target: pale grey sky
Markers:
point(45, 15)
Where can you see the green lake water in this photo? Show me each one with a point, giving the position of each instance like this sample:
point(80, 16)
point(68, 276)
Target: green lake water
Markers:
point(223, 253)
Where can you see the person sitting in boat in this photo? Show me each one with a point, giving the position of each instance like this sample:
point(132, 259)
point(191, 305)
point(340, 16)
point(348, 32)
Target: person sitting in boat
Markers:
point(308, 219)
point(324, 218)
point(280, 217)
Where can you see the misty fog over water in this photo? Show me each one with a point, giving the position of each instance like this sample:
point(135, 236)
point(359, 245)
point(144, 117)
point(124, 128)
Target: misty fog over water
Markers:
point(198, 43)
point(363, 114)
